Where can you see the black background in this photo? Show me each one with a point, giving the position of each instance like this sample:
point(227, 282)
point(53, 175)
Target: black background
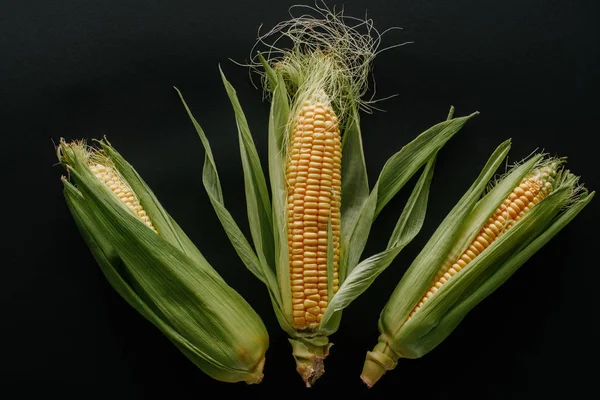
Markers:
point(89, 68)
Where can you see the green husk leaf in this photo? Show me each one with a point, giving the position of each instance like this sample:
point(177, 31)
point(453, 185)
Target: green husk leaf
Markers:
point(419, 274)
point(264, 272)
point(407, 227)
point(212, 185)
point(454, 316)
point(272, 77)
point(167, 227)
point(278, 120)
point(101, 248)
point(410, 222)
point(165, 285)
point(408, 339)
point(487, 205)
point(110, 264)
point(355, 184)
point(257, 194)
point(413, 156)
point(394, 175)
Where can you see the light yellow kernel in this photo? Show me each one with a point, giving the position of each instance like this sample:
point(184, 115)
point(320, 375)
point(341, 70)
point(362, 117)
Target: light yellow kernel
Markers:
point(519, 204)
point(310, 303)
point(484, 243)
point(314, 310)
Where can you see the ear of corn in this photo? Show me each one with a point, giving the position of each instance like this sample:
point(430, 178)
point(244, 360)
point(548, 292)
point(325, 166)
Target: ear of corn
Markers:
point(309, 236)
point(475, 249)
point(313, 174)
point(154, 266)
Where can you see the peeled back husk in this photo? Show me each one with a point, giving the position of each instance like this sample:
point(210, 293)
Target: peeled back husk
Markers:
point(406, 336)
point(328, 65)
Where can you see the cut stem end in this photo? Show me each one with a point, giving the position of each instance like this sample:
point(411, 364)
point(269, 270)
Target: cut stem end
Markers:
point(258, 375)
point(378, 362)
point(309, 359)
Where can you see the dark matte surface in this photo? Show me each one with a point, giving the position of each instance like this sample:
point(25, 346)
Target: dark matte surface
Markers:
point(90, 68)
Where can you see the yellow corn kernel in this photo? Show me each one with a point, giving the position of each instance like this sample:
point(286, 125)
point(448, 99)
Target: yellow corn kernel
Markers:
point(115, 183)
point(313, 173)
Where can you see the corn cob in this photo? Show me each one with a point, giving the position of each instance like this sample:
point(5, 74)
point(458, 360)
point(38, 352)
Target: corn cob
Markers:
point(314, 194)
point(532, 189)
point(144, 254)
point(477, 247)
point(310, 233)
point(319, 84)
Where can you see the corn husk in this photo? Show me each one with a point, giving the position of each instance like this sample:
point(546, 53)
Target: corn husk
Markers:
point(404, 337)
point(160, 272)
point(288, 81)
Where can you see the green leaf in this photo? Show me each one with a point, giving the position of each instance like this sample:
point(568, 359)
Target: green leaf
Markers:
point(212, 184)
point(394, 175)
point(107, 229)
point(509, 267)
point(278, 123)
point(101, 249)
point(488, 205)
point(270, 73)
point(414, 282)
point(257, 194)
point(480, 270)
point(410, 222)
point(162, 221)
point(450, 320)
point(355, 184)
point(402, 166)
point(210, 179)
point(408, 226)
point(359, 234)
